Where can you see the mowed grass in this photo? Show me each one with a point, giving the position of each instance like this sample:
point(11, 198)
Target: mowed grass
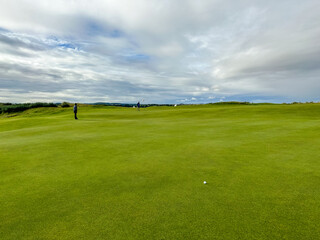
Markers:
point(117, 173)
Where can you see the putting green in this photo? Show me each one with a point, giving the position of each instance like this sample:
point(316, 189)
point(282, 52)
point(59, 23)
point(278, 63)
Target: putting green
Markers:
point(117, 173)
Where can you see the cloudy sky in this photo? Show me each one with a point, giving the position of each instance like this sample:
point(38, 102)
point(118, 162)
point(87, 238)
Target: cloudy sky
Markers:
point(162, 51)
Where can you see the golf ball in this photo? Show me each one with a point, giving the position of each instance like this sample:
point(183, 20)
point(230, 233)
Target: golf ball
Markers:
point(204, 182)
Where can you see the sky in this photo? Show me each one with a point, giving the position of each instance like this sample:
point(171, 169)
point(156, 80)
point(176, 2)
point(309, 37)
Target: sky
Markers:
point(159, 51)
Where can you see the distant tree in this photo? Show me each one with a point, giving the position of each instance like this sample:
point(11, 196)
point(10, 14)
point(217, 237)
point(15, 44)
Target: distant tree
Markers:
point(65, 104)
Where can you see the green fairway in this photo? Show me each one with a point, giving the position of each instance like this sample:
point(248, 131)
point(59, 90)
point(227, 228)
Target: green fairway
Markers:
point(117, 173)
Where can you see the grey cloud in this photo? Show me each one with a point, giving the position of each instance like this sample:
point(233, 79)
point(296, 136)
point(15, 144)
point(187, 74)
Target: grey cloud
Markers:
point(15, 42)
point(25, 72)
point(192, 49)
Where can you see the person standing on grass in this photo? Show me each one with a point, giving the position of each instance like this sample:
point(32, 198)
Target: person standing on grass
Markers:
point(75, 110)
point(138, 106)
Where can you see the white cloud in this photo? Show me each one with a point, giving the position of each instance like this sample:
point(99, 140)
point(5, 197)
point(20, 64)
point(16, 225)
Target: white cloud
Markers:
point(120, 50)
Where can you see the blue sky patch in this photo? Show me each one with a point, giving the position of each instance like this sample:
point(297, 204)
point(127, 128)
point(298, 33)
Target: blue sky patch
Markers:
point(67, 45)
point(137, 57)
point(94, 28)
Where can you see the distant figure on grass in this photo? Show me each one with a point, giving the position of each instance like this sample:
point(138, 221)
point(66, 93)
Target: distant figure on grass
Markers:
point(75, 110)
point(138, 106)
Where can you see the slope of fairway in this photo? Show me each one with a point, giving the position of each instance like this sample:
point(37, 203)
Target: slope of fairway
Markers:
point(117, 173)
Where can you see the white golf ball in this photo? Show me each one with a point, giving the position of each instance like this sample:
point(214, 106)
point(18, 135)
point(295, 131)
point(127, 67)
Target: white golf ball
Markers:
point(204, 182)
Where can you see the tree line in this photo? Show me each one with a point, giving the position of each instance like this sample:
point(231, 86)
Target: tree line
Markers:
point(20, 107)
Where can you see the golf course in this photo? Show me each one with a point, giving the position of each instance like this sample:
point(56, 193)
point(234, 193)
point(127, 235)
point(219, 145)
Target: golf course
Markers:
point(118, 173)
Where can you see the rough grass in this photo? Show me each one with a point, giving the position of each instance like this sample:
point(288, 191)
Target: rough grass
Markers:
point(117, 173)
